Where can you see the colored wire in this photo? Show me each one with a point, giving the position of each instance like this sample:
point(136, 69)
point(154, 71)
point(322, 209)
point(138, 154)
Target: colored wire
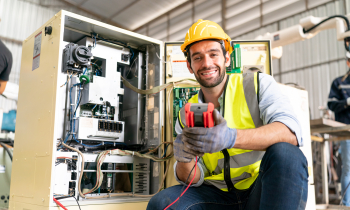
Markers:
point(194, 175)
point(60, 204)
point(63, 197)
point(68, 79)
point(79, 96)
point(6, 149)
point(165, 150)
point(82, 166)
point(72, 119)
point(132, 53)
point(184, 185)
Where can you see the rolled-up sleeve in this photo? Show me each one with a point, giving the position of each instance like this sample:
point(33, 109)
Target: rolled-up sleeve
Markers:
point(203, 170)
point(276, 107)
point(201, 167)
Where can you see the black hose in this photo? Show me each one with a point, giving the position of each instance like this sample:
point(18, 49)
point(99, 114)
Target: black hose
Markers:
point(347, 39)
point(7, 150)
point(331, 17)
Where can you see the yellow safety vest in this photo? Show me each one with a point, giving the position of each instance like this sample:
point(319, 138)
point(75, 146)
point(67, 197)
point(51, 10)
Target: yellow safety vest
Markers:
point(236, 168)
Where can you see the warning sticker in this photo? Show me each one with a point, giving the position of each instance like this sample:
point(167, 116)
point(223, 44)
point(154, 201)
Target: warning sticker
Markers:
point(36, 51)
point(179, 68)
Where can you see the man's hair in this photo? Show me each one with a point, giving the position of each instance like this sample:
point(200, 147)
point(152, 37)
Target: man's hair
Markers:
point(188, 54)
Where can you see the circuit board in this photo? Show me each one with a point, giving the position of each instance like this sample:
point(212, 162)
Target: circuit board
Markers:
point(104, 111)
point(181, 96)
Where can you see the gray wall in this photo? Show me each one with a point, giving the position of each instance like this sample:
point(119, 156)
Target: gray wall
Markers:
point(312, 63)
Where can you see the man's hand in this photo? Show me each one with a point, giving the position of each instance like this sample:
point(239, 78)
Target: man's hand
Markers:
point(210, 140)
point(183, 154)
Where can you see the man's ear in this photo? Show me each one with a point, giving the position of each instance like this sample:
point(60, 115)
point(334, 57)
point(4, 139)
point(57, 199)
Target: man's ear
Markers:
point(348, 63)
point(227, 59)
point(189, 67)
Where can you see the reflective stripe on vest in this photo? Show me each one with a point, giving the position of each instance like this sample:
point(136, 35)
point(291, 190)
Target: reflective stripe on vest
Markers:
point(241, 110)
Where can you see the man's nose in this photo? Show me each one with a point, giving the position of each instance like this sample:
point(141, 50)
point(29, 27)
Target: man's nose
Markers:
point(207, 61)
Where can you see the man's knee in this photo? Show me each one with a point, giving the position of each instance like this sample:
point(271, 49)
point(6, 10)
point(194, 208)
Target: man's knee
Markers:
point(159, 200)
point(284, 156)
point(164, 197)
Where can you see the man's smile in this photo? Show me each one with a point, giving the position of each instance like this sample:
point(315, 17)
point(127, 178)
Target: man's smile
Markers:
point(209, 73)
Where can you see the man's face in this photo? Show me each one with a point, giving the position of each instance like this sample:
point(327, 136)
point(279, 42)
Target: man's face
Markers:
point(208, 64)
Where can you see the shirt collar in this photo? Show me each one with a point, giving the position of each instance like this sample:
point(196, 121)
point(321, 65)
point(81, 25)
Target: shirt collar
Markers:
point(201, 97)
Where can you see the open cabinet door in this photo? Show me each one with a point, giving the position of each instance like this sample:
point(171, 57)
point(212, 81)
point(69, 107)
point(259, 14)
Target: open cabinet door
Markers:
point(177, 96)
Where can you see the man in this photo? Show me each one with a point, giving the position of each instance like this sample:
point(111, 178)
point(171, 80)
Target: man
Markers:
point(339, 103)
point(5, 66)
point(252, 116)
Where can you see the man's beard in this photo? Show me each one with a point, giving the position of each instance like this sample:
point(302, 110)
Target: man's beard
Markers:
point(220, 77)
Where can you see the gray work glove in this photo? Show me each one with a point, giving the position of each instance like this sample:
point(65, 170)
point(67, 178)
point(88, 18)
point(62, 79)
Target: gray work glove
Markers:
point(210, 140)
point(183, 154)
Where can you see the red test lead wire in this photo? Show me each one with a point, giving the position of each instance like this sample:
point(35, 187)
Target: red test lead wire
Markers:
point(59, 203)
point(195, 169)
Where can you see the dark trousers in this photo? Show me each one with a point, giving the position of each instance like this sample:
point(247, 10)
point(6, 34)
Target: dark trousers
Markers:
point(282, 184)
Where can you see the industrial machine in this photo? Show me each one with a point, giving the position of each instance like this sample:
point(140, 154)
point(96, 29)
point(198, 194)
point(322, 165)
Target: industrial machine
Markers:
point(307, 28)
point(82, 136)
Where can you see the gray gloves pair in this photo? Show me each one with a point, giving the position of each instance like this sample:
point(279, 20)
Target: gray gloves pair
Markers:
point(196, 141)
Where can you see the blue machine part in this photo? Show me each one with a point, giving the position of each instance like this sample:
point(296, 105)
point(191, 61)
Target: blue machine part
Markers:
point(180, 103)
point(9, 121)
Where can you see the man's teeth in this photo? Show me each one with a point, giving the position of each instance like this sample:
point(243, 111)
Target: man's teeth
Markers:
point(209, 73)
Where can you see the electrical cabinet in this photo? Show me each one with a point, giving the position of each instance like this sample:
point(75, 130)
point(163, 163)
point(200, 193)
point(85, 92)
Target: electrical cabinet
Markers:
point(71, 93)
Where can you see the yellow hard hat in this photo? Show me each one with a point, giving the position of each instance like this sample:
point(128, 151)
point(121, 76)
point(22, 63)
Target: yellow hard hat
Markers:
point(206, 29)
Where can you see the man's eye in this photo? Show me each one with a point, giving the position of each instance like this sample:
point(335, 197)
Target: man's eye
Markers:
point(214, 54)
point(196, 58)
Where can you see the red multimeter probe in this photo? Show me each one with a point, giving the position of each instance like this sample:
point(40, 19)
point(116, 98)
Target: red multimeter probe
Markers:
point(197, 115)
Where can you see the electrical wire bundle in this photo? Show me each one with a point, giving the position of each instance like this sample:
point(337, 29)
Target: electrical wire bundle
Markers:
point(99, 175)
point(100, 159)
point(102, 156)
point(146, 155)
